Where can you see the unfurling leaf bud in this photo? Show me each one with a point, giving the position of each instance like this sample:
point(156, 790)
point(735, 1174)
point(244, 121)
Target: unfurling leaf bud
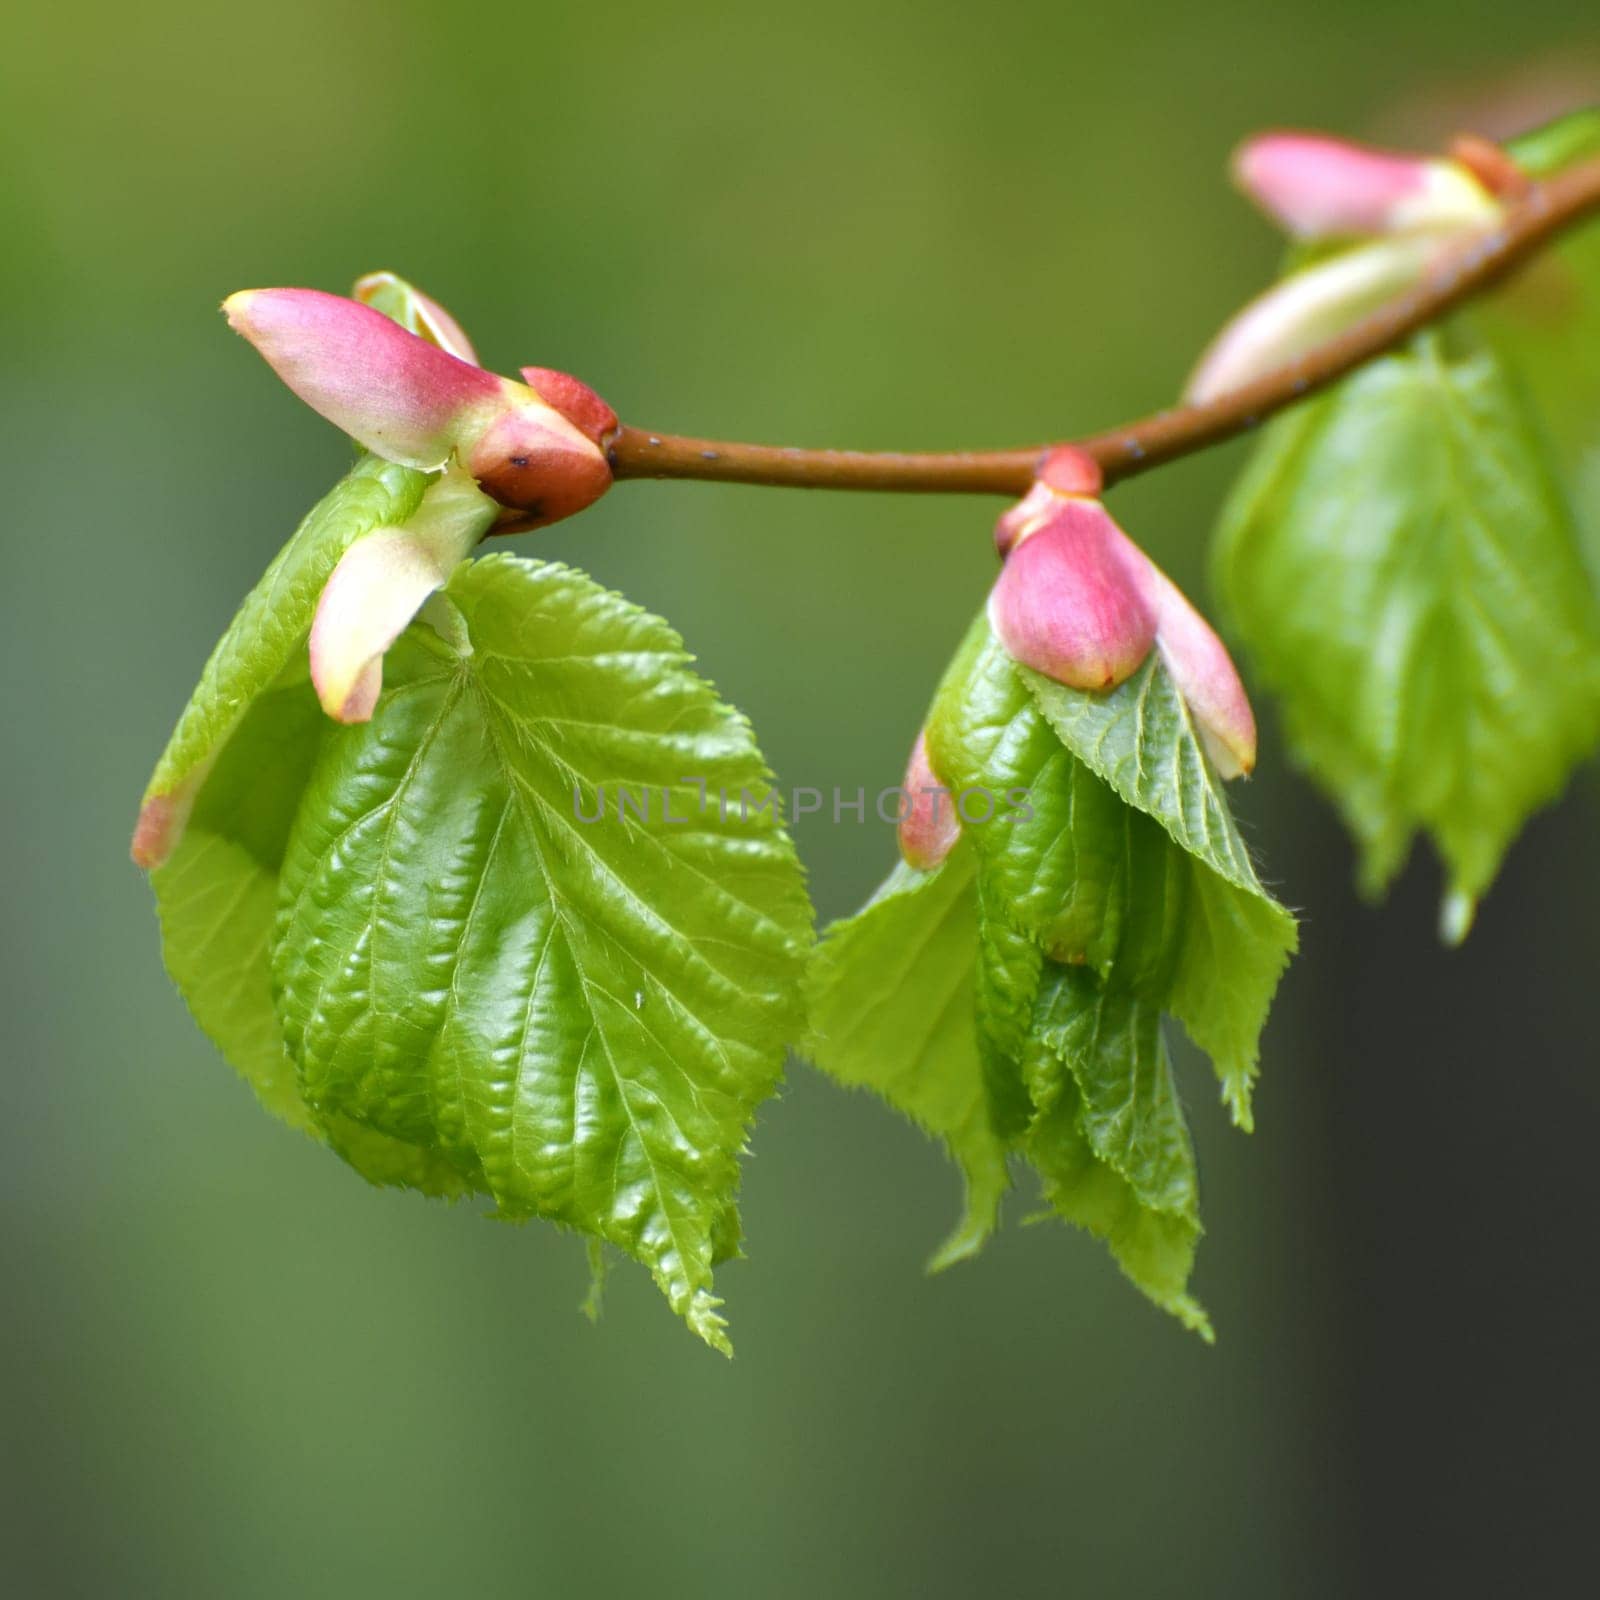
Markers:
point(402, 397)
point(1079, 602)
point(1322, 188)
point(1409, 212)
point(1069, 601)
point(930, 828)
point(407, 398)
point(379, 585)
point(1203, 672)
point(1308, 307)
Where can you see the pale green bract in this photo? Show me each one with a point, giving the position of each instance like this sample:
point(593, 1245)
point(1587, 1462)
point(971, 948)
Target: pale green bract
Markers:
point(1403, 567)
point(1022, 1011)
point(272, 624)
point(578, 1017)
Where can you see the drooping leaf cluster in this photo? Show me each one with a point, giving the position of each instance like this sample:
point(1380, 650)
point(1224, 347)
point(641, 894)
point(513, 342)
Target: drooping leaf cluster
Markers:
point(1011, 1001)
point(1410, 560)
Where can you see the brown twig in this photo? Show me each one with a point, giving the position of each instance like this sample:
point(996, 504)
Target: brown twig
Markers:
point(1543, 211)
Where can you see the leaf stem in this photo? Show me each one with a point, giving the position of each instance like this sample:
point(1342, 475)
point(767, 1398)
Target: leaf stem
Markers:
point(1531, 222)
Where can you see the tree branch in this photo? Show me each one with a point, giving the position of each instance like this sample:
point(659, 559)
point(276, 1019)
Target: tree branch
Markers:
point(1531, 222)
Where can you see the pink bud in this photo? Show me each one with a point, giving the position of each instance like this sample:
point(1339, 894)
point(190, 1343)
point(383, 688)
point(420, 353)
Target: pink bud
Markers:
point(1309, 307)
point(930, 829)
point(576, 401)
point(1320, 188)
point(379, 585)
point(1078, 601)
point(410, 401)
point(1204, 674)
point(405, 399)
point(1066, 470)
point(422, 315)
point(1069, 601)
point(534, 459)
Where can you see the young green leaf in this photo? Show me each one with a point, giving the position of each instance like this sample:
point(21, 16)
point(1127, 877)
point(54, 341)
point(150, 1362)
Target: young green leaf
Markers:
point(1545, 326)
point(1553, 146)
point(1129, 859)
point(1109, 1139)
point(1111, 886)
point(1235, 939)
point(217, 896)
point(518, 931)
point(1011, 966)
point(890, 1005)
point(1403, 566)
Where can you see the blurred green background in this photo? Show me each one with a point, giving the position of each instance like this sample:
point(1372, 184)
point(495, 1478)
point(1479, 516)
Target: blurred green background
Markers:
point(226, 1366)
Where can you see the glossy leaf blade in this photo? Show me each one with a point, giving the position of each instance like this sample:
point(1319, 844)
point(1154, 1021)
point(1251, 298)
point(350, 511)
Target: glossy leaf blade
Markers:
point(580, 1015)
point(1545, 325)
point(1404, 569)
point(1236, 939)
point(1130, 860)
point(1110, 886)
point(1141, 739)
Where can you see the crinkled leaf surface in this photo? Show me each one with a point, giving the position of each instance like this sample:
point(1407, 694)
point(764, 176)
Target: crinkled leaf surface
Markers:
point(1111, 885)
point(1234, 938)
point(1130, 861)
point(579, 1017)
point(1404, 568)
point(1109, 1138)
